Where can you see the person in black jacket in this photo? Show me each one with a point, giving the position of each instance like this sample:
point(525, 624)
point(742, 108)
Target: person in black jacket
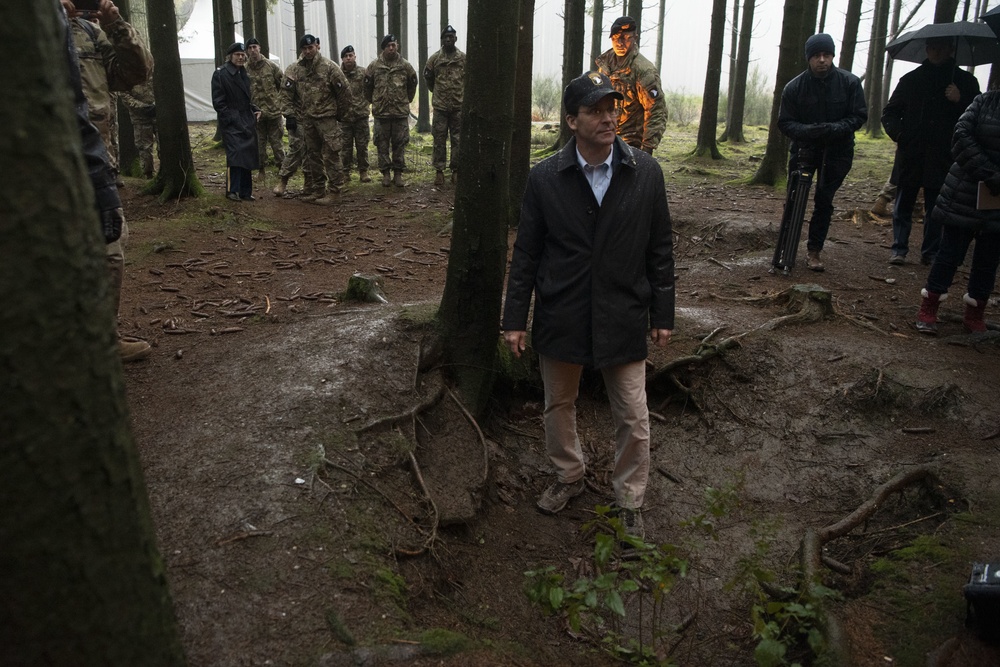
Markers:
point(920, 117)
point(237, 122)
point(820, 111)
point(964, 218)
point(594, 245)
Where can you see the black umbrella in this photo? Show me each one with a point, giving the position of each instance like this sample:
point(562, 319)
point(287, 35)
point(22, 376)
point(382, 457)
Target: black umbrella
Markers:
point(992, 19)
point(975, 43)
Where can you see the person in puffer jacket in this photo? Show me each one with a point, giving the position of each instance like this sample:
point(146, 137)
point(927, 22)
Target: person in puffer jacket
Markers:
point(968, 208)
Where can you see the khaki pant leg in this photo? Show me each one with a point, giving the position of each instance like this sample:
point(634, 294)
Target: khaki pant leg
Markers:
point(562, 444)
point(626, 386)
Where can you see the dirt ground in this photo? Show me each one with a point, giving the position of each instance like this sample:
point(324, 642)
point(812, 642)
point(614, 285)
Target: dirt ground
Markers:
point(295, 536)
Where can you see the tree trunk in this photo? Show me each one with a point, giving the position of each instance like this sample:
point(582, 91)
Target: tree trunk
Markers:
point(822, 16)
point(944, 11)
point(659, 36)
point(227, 28)
point(790, 63)
point(852, 22)
point(299, 11)
point(734, 129)
point(713, 78)
point(897, 8)
point(423, 99)
point(574, 23)
point(445, 21)
point(331, 28)
point(379, 23)
point(217, 33)
point(247, 19)
point(83, 583)
point(394, 18)
point(634, 9)
point(404, 30)
point(733, 45)
point(177, 176)
point(260, 23)
point(520, 145)
point(880, 24)
point(596, 33)
point(470, 306)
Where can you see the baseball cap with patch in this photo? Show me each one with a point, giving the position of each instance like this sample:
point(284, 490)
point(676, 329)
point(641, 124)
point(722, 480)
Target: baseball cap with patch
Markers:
point(623, 24)
point(587, 90)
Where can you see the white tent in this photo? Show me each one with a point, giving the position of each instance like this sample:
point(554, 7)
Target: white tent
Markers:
point(197, 51)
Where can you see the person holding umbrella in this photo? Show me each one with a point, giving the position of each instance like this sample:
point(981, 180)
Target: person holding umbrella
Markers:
point(920, 117)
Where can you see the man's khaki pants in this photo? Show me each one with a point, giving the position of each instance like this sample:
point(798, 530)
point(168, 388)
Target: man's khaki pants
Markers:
point(626, 387)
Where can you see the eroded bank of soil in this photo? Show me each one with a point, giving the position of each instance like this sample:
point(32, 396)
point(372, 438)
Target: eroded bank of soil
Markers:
point(286, 535)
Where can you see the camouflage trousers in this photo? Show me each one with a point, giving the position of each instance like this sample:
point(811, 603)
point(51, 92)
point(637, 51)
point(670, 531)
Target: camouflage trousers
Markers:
point(270, 129)
point(322, 165)
point(392, 134)
point(356, 137)
point(295, 155)
point(144, 131)
point(445, 122)
point(106, 123)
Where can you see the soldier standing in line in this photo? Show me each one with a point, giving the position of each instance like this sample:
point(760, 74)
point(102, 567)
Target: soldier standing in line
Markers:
point(112, 58)
point(315, 87)
point(445, 77)
point(355, 124)
point(141, 105)
point(643, 116)
point(390, 84)
point(265, 90)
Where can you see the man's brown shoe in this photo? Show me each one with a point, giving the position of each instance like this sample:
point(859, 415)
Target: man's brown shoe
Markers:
point(364, 177)
point(813, 262)
point(398, 179)
point(386, 179)
point(133, 350)
point(280, 188)
point(439, 179)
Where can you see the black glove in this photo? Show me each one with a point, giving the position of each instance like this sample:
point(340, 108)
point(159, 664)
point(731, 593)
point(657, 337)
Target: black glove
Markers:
point(292, 124)
point(993, 183)
point(111, 224)
point(150, 111)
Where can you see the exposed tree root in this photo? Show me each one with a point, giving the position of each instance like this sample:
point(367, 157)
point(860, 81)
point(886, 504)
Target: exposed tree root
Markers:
point(426, 404)
point(479, 431)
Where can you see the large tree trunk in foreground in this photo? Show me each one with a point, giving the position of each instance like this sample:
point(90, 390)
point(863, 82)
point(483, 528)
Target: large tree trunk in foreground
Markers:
point(177, 176)
point(574, 24)
point(713, 78)
point(520, 145)
point(470, 307)
point(82, 581)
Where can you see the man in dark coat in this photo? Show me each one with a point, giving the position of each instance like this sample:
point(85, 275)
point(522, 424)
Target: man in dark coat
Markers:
point(820, 111)
point(237, 122)
point(920, 117)
point(594, 245)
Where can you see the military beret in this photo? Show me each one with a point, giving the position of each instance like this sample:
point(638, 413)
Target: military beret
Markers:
point(388, 39)
point(623, 24)
point(252, 41)
point(347, 49)
point(448, 31)
point(307, 40)
point(237, 47)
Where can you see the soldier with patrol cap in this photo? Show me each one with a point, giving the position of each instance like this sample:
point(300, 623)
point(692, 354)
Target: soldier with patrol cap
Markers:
point(643, 116)
point(390, 84)
point(355, 124)
point(316, 89)
point(445, 76)
point(265, 89)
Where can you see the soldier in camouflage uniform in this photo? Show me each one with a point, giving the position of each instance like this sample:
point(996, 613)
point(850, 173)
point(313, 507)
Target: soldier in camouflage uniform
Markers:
point(643, 116)
point(265, 91)
point(316, 88)
point(112, 58)
point(355, 125)
point(445, 74)
point(141, 105)
point(390, 84)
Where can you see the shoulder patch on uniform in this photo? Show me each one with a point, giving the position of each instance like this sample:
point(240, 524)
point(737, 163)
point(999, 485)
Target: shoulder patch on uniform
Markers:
point(654, 92)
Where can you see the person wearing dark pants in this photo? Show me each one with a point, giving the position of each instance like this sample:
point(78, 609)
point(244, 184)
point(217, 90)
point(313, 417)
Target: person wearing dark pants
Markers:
point(237, 122)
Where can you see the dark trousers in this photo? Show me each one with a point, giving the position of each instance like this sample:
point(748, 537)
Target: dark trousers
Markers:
point(239, 180)
point(950, 255)
point(829, 176)
point(902, 221)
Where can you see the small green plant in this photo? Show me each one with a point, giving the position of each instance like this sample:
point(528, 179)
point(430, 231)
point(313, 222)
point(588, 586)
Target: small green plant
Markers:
point(718, 503)
point(625, 573)
point(785, 625)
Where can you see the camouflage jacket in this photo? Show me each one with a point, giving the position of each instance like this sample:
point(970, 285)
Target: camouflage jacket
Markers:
point(445, 74)
point(140, 102)
point(265, 86)
point(316, 88)
point(112, 59)
point(360, 107)
point(390, 87)
point(644, 111)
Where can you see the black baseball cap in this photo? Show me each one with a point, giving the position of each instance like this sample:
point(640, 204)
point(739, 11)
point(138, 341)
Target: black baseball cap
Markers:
point(587, 90)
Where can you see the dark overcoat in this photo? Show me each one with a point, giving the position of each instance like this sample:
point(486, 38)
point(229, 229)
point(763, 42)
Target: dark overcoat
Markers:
point(237, 123)
point(921, 121)
point(602, 275)
point(976, 149)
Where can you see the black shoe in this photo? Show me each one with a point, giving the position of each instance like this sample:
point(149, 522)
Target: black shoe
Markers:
point(248, 198)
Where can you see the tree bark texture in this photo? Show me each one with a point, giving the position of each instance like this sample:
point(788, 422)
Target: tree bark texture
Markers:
point(520, 147)
point(734, 129)
point(445, 19)
point(299, 12)
point(880, 26)
point(247, 19)
point(331, 29)
point(659, 35)
point(394, 18)
point(82, 581)
point(404, 30)
point(177, 176)
point(379, 23)
point(897, 8)
point(260, 26)
point(733, 45)
point(849, 45)
point(634, 9)
point(944, 11)
point(596, 33)
point(574, 23)
point(423, 99)
point(470, 307)
point(227, 28)
point(713, 78)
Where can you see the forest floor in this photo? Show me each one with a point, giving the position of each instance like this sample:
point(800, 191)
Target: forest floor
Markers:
point(297, 529)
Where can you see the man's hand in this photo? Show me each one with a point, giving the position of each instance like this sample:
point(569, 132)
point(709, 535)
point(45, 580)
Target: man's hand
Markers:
point(660, 337)
point(111, 224)
point(952, 93)
point(517, 341)
point(256, 116)
point(107, 12)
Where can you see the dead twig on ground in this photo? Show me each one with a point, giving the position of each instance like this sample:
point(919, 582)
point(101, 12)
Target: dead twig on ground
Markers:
point(243, 536)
